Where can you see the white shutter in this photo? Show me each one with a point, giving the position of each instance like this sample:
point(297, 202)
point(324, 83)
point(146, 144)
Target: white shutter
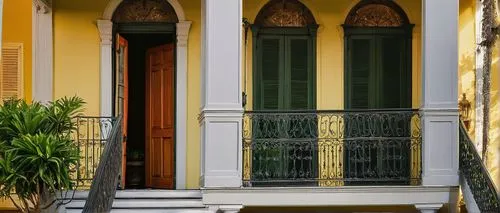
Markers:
point(11, 71)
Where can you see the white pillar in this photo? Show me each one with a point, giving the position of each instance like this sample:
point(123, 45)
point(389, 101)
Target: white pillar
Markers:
point(428, 208)
point(42, 82)
point(106, 33)
point(440, 92)
point(182, 29)
point(221, 113)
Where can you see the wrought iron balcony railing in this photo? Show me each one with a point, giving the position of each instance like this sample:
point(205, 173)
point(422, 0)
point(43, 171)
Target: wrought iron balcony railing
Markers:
point(477, 176)
point(332, 148)
point(91, 135)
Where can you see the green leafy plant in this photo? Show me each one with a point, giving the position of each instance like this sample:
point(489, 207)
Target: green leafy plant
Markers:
point(36, 151)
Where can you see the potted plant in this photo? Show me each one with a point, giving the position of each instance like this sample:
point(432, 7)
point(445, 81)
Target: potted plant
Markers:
point(135, 167)
point(36, 152)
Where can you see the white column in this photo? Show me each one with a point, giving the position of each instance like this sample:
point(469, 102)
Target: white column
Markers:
point(106, 33)
point(428, 208)
point(221, 113)
point(42, 82)
point(440, 92)
point(181, 100)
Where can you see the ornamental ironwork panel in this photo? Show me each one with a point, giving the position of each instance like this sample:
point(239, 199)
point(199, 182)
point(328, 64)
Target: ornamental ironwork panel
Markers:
point(130, 11)
point(332, 148)
point(284, 13)
point(476, 175)
point(91, 135)
point(377, 13)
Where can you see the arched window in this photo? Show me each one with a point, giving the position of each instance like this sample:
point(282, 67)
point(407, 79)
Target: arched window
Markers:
point(284, 68)
point(378, 56)
point(377, 76)
point(133, 11)
point(284, 56)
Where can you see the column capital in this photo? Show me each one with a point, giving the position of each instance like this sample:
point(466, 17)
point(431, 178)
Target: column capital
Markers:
point(105, 31)
point(42, 6)
point(183, 33)
point(428, 208)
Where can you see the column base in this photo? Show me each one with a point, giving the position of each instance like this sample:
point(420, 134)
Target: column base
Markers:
point(225, 208)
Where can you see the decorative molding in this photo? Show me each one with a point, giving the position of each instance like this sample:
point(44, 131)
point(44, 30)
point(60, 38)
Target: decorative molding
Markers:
point(42, 6)
point(377, 13)
point(182, 30)
point(113, 4)
point(144, 11)
point(105, 31)
point(279, 13)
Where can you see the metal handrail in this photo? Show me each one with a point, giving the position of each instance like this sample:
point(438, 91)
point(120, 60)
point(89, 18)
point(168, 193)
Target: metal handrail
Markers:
point(103, 189)
point(476, 175)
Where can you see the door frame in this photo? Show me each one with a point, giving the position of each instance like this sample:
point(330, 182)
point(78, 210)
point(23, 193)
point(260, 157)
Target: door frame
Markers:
point(154, 28)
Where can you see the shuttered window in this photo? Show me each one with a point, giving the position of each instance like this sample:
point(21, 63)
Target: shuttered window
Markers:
point(284, 73)
point(11, 70)
point(378, 72)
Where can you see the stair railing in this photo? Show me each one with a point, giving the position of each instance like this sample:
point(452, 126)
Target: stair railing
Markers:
point(475, 173)
point(103, 189)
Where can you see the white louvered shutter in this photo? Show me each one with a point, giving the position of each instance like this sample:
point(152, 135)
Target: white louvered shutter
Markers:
point(11, 71)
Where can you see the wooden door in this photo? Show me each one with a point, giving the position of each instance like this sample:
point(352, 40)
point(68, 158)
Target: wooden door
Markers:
point(122, 96)
point(160, 117)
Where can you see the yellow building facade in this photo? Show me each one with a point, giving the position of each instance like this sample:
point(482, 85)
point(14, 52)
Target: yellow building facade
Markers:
point(77, 60)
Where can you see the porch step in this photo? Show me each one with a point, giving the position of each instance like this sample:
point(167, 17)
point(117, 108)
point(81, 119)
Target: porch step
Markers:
point(146, 201)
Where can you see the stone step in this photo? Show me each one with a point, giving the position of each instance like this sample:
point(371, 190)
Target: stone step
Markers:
point(145, 204)
point(146, 194)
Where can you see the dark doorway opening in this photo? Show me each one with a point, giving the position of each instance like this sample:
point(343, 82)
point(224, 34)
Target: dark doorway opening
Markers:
point(138, 43)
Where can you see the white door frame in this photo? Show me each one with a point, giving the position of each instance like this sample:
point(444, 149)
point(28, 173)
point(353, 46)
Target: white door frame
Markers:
point(105, 26)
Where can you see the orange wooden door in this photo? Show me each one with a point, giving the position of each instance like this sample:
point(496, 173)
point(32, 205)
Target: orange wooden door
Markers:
point(160, 117)
point(122, 96)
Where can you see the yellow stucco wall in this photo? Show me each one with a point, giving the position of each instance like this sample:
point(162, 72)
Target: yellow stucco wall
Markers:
point(76, 50)
point(77, 58)
point(17, 29)
point(467, 80)
point(330, 15)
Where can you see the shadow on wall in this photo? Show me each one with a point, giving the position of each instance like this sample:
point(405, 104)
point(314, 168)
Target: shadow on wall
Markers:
point(493, 163)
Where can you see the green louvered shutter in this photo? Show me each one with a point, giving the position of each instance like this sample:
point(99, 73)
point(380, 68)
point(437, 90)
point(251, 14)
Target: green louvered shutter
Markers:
point(360, 70)
point(299, 70)
point(271, 56)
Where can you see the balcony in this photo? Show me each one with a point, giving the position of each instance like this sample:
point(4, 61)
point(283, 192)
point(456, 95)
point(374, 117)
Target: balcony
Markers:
point(332, 148)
